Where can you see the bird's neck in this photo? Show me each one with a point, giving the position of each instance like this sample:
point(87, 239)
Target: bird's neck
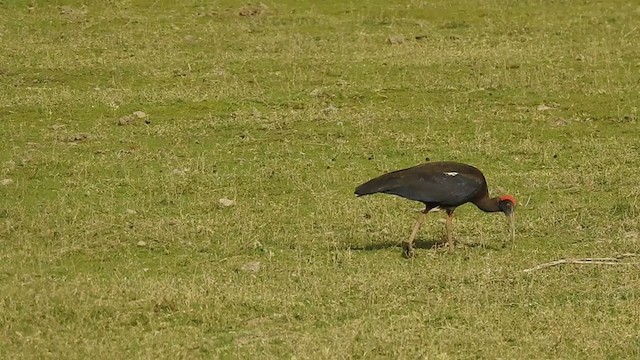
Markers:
point(488, 204)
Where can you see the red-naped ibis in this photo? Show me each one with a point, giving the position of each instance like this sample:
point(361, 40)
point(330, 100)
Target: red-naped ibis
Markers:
point(440, 186)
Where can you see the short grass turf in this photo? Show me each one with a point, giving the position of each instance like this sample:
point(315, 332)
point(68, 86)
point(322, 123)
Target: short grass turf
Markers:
point(113, 242)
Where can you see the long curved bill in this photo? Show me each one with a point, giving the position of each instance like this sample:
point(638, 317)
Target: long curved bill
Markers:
point(512, 225)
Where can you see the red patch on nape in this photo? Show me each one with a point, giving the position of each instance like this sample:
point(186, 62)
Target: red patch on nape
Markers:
point(510, 198)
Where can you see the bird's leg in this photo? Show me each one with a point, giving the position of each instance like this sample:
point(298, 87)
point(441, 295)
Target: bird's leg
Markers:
point(450, 241)
point(407, 246)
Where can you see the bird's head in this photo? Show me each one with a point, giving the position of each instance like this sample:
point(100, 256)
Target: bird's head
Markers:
point(507, 205)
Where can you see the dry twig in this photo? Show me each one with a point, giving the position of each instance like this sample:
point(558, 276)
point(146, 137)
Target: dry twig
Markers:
point(599, 261)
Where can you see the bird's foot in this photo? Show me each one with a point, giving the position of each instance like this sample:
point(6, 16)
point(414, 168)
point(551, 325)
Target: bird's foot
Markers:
point(443, 247)
point(407, 250)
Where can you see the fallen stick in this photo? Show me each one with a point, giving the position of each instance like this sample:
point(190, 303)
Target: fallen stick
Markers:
point(598, 261)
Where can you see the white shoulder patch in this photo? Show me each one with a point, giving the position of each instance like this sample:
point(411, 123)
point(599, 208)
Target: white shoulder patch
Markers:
point(452, 173)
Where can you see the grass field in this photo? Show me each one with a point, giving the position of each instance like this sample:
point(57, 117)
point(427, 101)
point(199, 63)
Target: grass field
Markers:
point(113, 242)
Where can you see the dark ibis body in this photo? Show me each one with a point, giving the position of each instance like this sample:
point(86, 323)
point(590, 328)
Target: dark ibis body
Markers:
point(440, 186)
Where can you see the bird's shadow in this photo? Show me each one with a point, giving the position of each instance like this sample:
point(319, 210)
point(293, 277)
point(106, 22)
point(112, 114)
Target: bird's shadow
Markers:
point(421, 244)
point(418, 244)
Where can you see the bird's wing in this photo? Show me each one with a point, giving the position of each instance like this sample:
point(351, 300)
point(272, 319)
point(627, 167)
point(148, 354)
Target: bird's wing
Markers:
point(444, 188)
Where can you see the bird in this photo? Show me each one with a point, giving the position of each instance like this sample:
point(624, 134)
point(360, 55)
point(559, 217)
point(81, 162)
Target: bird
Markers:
point(440, 186)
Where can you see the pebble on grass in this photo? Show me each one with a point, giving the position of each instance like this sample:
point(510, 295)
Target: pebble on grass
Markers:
point(224, 202)
point(253, 266)
point(131, 118)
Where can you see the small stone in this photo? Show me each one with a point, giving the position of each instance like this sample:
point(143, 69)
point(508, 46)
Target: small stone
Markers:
point(224, 202)
point(139, 114)
point(6, 182)
point(125, 120)
point(131, 212)
point(543, 107)
point(253, 266)
point(142, 243)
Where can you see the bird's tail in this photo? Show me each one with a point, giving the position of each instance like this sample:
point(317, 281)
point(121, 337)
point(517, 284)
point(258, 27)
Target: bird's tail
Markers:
point(380, 184)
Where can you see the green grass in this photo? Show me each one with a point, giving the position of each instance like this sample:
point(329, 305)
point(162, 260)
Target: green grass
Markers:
point(113, 244)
